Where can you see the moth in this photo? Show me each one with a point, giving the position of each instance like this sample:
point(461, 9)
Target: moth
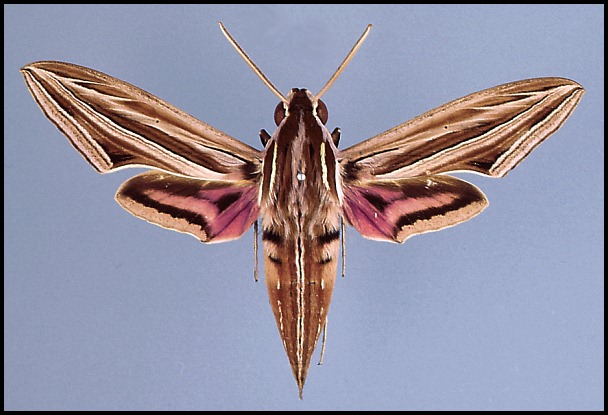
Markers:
point(214, 187)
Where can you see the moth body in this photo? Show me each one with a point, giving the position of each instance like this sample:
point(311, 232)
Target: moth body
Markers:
point(300, 209)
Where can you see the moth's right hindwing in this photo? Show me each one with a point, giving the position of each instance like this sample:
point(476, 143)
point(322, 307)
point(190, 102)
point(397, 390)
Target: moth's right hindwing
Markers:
point(394, 186)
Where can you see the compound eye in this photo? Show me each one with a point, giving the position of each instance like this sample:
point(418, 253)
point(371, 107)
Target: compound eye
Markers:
point(279, 113)
point(321, 111)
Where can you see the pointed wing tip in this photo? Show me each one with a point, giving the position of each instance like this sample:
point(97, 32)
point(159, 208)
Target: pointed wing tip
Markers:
point(573, 88)
point(39, 65)
point(28, 71)
point(573, 83)
point(29, 67)
point(576, 88)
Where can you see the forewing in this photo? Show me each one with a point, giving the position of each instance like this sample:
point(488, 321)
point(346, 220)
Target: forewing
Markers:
point(488, 132)
point(212, 211)
point(114, 124)
point(395, 210)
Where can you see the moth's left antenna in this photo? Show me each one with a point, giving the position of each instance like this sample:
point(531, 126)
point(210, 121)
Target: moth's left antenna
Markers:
point(252, 65)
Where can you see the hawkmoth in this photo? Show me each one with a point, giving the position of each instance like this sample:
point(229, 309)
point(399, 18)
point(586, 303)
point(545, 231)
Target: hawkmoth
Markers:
point(214, 187)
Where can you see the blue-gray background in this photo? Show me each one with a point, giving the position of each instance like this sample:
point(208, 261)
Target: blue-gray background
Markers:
point(105, 311)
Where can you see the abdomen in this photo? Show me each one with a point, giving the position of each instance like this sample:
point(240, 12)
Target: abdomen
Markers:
point(300, 265)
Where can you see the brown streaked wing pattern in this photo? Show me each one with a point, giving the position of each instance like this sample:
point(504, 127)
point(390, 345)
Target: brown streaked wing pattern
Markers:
point(114, 124)
point(395, 210)
point(212, 211)
point(488, 132)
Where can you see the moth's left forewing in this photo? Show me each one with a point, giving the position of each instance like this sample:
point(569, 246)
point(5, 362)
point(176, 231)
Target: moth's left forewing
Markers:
point(114, 124)
point(212, 211)
point(209, 183)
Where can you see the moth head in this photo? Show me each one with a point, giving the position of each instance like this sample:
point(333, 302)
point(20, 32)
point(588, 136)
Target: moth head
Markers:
point(300, 99)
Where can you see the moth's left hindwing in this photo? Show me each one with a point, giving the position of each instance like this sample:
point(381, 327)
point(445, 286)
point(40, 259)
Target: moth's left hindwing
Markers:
point(212, 211)
point(208, 186)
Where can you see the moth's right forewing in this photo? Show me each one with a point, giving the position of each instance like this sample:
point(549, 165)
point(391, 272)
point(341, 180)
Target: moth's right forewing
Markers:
point(487, 132)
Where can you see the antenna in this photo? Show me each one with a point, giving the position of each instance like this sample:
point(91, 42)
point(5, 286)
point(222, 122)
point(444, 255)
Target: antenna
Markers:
point(345, 62)
point(252, 65)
